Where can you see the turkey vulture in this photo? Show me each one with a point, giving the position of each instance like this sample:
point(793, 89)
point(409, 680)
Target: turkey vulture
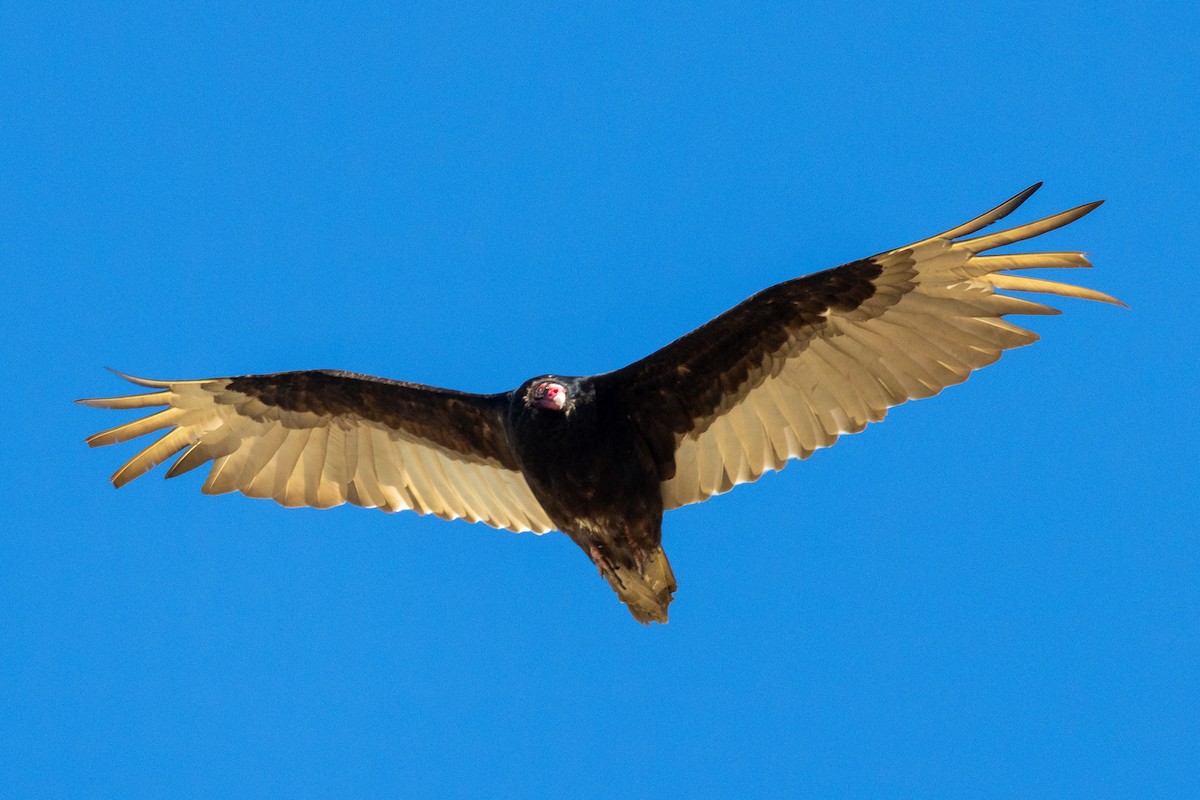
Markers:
point(601, 457)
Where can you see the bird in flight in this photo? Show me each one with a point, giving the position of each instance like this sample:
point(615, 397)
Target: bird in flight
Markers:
point(601, 457)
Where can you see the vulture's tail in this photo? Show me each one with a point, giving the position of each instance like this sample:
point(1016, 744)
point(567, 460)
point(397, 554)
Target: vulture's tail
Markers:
point(646, 588)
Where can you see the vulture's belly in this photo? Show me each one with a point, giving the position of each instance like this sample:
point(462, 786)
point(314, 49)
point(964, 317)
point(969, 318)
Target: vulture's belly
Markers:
point(592, 476)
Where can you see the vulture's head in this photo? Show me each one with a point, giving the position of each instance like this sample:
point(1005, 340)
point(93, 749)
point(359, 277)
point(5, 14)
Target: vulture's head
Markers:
point(553, 398)
point(549, 395)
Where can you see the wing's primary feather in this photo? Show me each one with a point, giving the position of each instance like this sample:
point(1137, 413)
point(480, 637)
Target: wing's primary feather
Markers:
point(795, 366)
point(322, 438)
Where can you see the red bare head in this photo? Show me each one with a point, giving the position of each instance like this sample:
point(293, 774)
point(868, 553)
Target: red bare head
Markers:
point(549, 395)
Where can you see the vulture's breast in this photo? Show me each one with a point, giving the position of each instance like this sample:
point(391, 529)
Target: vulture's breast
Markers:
point(589, 465)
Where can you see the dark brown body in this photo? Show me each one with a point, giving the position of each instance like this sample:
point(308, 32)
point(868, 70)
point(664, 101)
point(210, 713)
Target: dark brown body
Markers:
point(592, 471)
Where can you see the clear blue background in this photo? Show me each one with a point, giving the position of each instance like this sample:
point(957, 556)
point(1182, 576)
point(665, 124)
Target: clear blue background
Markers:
point(996, 593)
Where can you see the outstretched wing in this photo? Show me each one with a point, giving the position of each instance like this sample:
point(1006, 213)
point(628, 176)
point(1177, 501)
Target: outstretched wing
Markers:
point(322, 438)
point(798, 364)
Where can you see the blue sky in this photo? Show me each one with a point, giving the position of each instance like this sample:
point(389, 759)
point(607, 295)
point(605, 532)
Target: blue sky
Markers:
point(995, 593)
